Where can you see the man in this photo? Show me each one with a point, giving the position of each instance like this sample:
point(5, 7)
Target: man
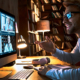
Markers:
point(71, 20)
point(8, 46)
point(7, 26)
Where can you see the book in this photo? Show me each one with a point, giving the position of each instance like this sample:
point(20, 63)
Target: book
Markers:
point(55, 24)
point(40, 38)
point(57, 38)
point(54, 14)
point(58, 14)
point(32, 5)
point(46, 1)
point(40, 48)
point(36, 18)
point(62, 45)
point(32, 49)
point(29, 27)
point(37, 37)
point(32, 38)
point(55, 31)
point(53, 1)
point(37, 11)
point(35, 8)
point(43, 14)
point(54, 7)
point(59, 1)
point(57, 46)
point(33, 29)
point(33, 17)
point(42, 7)
point(37, 47)
point(61, 8)
point(69, 38)
point(45, 17)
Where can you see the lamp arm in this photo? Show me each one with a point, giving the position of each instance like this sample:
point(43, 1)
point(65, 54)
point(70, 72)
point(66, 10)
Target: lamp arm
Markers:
point(43, 36)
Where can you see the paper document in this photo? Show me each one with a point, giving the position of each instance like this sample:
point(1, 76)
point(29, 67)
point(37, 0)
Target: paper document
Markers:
point(59, 67)
point(23, 62)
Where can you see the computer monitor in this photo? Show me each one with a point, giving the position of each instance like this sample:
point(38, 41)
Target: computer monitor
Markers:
point(8, 51)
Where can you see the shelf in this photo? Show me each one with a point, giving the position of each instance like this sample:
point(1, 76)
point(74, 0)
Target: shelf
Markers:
point(48, 11)
point(33, 32)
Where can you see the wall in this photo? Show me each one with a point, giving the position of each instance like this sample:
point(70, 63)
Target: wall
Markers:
point(10, 6)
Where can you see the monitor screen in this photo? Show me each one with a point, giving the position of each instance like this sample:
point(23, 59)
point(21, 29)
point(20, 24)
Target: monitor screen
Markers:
point(7, 34)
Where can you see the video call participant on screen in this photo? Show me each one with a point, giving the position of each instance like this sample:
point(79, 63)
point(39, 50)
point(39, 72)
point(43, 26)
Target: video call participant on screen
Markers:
point(7, 26)
point(8, 46)
point(71, 19)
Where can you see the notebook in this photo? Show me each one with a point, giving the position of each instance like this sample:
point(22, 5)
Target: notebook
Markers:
point(59, 67)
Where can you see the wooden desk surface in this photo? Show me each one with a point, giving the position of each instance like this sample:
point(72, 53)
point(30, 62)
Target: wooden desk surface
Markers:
point(34, 76)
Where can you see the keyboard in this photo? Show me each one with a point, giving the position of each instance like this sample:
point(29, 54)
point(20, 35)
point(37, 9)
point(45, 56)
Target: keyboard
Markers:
point(23, 74)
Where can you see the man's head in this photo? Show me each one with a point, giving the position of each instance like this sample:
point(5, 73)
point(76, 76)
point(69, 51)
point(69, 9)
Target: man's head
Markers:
point(71, 2)
point(72, 16)
point(8, 20)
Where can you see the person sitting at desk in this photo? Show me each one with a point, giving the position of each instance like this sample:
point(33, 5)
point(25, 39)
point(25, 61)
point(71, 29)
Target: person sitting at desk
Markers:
point(7, 26)
point(71, 20)
point(8, 46)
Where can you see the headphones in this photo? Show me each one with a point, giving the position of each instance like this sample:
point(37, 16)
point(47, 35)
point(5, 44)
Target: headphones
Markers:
point(41, 61)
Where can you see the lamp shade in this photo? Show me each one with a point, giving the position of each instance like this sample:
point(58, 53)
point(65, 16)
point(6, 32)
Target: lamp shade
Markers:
point(21, 43)
point(43, 26)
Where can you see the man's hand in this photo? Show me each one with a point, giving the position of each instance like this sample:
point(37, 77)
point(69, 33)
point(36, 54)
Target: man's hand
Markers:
point(47, 45)
point(43, 70)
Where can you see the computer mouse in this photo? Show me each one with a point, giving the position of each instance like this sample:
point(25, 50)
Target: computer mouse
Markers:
point(28, 67)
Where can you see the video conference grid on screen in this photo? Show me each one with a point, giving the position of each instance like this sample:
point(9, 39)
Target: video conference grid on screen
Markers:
point(7, 34)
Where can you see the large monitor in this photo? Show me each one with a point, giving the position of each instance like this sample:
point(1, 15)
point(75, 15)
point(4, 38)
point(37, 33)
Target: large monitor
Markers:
point(7, 38)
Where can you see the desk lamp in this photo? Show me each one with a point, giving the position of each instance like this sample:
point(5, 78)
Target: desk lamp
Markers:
point(21, 44)
point(43, 26)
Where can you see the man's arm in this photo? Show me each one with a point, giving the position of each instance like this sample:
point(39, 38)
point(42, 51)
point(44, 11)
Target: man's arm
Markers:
point(72, 57)
point(49, 46)
point(62, 74)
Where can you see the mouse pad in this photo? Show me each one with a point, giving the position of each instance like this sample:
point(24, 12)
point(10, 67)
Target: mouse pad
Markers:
point(4, 73)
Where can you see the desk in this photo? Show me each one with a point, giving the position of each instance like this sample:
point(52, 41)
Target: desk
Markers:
point(34, 76)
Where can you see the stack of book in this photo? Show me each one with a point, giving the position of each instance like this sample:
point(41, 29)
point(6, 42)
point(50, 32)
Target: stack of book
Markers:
point(68, 38)
point(54, 7)
point(46, 1)
point(57, 38)
point(55, 31)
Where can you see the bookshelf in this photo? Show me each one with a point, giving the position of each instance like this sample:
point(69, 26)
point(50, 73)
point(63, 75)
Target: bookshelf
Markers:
point(31, 13)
